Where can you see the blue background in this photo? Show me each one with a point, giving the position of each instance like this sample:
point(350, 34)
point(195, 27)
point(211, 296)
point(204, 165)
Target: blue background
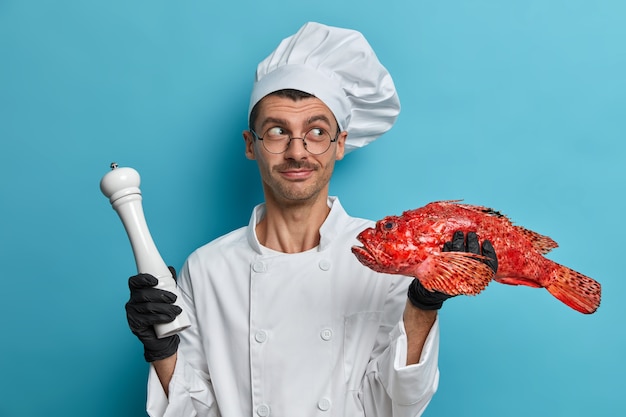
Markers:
point(519, 105)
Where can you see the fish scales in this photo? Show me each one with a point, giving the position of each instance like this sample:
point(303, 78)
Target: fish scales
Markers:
point(411, 244)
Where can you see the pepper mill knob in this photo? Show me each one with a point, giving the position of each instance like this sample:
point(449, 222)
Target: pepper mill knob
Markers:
point(121, 186)
point(120, 182)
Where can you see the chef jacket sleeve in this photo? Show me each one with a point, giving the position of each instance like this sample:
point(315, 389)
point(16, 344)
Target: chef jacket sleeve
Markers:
point(190, 394)
point(391, 387)
point(190, 390)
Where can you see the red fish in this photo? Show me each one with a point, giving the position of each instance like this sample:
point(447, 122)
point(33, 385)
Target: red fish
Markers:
point(411, 244)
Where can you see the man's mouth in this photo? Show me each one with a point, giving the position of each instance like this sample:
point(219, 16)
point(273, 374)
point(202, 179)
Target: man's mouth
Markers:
point(296, 171)
point(297, 174)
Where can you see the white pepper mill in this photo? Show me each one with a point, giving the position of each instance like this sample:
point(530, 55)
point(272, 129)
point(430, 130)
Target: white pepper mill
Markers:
point(121, 186)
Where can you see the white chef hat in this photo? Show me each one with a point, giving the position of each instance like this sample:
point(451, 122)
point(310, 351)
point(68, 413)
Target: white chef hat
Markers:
point(339, 67)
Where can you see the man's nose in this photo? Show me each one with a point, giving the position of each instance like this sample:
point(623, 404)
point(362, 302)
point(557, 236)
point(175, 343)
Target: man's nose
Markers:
point(296, 148)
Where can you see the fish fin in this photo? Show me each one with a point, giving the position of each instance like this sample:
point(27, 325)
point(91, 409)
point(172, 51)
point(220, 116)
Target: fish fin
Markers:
point(517, 280)
point(575, 289)
point(447, 201)
point(543, 244)
point(454, 273)
point(482, 210)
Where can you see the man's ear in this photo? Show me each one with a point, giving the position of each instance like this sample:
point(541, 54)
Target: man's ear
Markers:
point(249, 138)
point(341, 145)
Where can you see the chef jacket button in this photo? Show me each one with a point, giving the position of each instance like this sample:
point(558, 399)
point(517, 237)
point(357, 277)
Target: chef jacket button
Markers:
point(324, 404)
point(326, 334)
point(324, 264)
point(263, 410)
point(258, 266)
point(260, 336)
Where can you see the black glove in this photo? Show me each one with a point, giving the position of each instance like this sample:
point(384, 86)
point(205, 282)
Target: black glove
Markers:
point(458, 244)
point(425, 299)
point(149, 306)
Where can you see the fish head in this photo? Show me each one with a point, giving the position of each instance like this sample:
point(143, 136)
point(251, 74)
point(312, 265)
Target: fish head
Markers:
point(392, 246)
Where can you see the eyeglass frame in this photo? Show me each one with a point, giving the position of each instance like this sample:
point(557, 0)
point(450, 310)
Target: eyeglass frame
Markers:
point(332, 140)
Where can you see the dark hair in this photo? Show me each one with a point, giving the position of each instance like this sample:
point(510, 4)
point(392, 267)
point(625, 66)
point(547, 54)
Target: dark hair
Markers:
point(295, 95)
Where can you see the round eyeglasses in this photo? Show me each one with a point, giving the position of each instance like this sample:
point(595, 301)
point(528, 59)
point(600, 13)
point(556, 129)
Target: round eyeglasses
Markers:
point(276, 140)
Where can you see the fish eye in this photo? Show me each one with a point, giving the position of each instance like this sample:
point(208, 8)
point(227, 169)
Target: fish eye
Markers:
point(389, 225)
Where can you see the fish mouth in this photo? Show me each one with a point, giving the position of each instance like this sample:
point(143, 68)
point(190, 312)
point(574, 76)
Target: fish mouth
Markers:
point(370, 253)
point(364, 255)
point(371, 259)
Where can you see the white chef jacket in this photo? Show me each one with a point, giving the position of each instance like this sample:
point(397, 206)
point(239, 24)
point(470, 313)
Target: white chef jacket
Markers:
point(306, 334)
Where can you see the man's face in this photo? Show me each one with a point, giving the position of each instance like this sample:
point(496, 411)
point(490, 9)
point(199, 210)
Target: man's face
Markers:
point(296, 175)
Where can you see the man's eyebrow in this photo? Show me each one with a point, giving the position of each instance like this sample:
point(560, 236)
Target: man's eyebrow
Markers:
point(275, 120)
point(319, 117)
point(283, 122)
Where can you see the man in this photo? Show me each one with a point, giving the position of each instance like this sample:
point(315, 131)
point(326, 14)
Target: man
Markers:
point(284, 320)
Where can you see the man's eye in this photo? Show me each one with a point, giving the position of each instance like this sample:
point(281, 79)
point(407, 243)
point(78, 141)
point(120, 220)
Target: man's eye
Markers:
point(275, 132)
point(317, 132)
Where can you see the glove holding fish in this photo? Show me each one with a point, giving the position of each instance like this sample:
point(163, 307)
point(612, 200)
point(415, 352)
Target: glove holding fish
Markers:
point(425, 299)
point(414, 244)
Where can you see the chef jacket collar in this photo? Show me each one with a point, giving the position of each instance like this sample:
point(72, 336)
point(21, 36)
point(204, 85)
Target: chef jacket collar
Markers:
point(328, 230)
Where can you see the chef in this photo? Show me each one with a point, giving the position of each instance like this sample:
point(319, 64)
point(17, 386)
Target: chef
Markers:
point(284, 319)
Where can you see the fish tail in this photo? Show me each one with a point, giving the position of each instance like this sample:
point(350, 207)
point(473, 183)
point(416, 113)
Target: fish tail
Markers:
point(575, 289)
